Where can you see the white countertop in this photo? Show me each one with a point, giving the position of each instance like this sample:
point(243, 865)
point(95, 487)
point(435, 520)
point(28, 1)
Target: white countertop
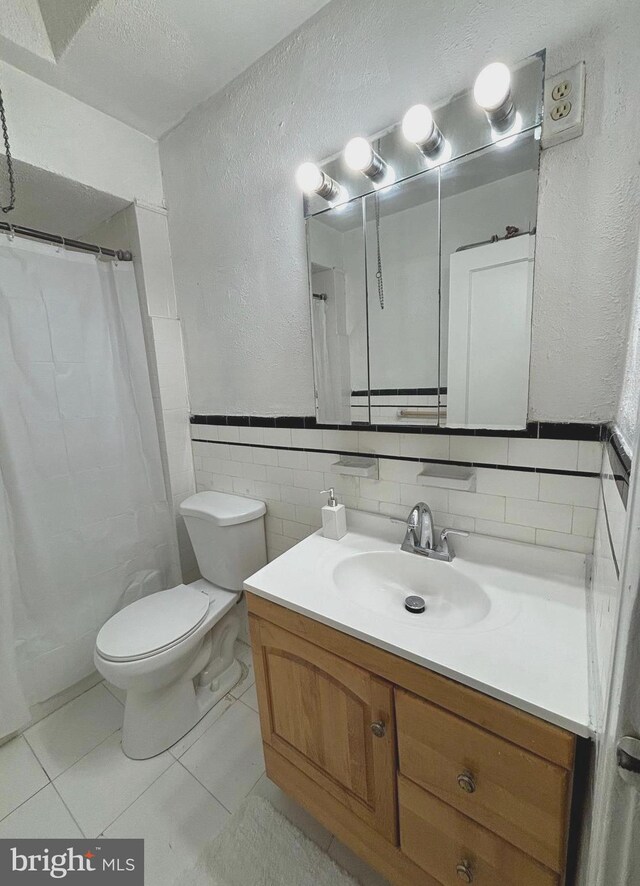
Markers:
point(529, 651)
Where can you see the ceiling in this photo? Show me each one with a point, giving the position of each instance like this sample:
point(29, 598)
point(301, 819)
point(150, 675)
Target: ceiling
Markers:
point(145, 62)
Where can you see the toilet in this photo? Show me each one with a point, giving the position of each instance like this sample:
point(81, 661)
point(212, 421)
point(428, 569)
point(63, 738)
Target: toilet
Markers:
point(173, 651)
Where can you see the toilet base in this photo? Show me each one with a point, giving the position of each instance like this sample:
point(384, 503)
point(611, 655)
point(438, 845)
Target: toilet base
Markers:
point(155, 720)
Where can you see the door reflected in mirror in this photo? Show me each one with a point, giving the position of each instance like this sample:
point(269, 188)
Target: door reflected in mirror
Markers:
point(487, 219)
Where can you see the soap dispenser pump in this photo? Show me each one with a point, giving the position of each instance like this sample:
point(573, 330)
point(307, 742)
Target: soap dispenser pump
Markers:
point(334, 517)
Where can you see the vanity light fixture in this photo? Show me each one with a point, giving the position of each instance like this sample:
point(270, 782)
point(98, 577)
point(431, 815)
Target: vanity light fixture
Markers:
point(419, 127)
point(492, 91)
point(360, 156)
point(312, 180)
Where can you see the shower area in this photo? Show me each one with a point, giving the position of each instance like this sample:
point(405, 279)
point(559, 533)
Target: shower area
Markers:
point(87, 448)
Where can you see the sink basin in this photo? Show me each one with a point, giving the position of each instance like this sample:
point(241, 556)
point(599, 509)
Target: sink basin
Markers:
point(380, 581)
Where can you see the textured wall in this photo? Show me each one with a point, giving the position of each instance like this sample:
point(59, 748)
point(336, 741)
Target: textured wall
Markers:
point(54, 132)
point(235, 219)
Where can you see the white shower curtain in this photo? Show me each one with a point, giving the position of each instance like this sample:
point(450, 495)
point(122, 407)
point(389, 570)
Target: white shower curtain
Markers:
point(85, 525)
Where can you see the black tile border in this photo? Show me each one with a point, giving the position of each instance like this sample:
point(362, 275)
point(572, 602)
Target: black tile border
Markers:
point(405, 392)
point(432, 461)
point(542, 430)
point(612, 547)
point(620, 461)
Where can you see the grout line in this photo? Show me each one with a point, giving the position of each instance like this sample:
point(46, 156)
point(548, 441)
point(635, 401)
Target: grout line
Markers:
point(35, 794)
point(150, 785)
point(62, 800)
point(208, 790)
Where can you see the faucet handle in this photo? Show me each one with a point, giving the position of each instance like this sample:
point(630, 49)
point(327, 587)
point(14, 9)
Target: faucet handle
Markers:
point(447, 532)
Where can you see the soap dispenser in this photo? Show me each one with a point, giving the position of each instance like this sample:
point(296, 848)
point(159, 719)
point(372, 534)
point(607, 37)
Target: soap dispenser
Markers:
point(334, 517)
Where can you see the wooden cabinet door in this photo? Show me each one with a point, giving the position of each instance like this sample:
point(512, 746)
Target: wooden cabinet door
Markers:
point(317, 710)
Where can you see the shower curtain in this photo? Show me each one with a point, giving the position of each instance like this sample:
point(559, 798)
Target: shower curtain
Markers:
point(85, 524)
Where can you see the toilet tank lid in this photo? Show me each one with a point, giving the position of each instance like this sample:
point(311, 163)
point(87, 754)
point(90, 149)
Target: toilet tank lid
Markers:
point(222, 508)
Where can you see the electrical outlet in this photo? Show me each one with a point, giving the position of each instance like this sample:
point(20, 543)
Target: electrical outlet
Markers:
point(564, 106)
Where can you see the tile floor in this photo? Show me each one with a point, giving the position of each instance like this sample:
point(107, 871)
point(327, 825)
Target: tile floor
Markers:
point(66, 776)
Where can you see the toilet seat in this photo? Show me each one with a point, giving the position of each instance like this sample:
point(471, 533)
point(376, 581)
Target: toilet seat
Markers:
point(153, 624)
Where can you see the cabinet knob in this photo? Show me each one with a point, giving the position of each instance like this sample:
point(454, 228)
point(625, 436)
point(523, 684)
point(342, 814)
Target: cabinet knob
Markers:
point(466, 782)
point(464, 872)
point(378, 728)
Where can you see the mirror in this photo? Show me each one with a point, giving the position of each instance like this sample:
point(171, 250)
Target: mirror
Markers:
point(336, 252)
point(403, 296)
point(487, 232)
point(421, 289)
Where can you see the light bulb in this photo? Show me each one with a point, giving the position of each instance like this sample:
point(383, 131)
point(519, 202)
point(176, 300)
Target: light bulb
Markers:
point(492, 86)
point(312, 180)
point(359, 154)
point(417, 124)
point(309, 177)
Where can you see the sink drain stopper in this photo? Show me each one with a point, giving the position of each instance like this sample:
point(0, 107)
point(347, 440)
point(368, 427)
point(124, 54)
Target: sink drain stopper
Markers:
point(415, 604)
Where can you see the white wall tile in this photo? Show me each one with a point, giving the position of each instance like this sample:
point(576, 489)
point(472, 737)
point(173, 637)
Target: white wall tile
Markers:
point(307, 438)
point(255, 436)
point(309, 479)
point(454, 521)
point(296, 495)
point(560, 455)
point(437, 499)
point(282, 476)
point(506, 530)
point(569, 490)
point(399, 471)
point(283, 509)
point(490, 450)
point(514, 484)
point(240, 453)
point(505, 503)
point(155, 252)
point(204, 432)
point(578, 543)
point(380, 490)
point(474, 504)
point(589, 456)
point(296, 530)
point(277, 436)
point(265, 456)
point(293, 459)
point(382, 443)
point(228, 433)
point(584, 521)
point(539, 514)
point(322, 461)
point(424, 445)
point(340, 440)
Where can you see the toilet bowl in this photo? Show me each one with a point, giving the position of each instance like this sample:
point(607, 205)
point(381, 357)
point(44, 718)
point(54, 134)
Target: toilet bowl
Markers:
point(173, 651)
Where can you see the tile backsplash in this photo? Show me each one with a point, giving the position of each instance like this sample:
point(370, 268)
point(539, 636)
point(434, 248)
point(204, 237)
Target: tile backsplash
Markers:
point(539, 491)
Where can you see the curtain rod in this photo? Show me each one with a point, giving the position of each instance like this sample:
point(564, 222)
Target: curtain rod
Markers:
point(20, 231)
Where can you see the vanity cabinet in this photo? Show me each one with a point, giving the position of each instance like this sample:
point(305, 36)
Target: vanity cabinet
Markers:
point(427, 780)
point(331, 719)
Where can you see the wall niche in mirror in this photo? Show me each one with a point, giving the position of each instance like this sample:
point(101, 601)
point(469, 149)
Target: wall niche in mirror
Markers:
point(335, 247)
point(401, 238)
point(488, 216)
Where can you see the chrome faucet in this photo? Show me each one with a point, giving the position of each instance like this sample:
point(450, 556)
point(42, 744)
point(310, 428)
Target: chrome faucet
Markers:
point(419, 535)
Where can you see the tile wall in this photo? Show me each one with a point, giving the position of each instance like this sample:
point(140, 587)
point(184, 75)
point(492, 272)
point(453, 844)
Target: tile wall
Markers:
point(539, 491)
point(604, 588)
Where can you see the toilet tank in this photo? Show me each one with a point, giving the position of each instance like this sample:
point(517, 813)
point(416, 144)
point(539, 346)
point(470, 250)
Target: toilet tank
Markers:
point(227, 534)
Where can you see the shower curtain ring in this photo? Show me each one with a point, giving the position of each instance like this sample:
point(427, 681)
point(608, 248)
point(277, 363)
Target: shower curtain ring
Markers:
point(11, 234)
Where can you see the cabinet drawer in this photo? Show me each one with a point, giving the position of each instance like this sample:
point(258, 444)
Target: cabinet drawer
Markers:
point(513, 793)
point(454, 849)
